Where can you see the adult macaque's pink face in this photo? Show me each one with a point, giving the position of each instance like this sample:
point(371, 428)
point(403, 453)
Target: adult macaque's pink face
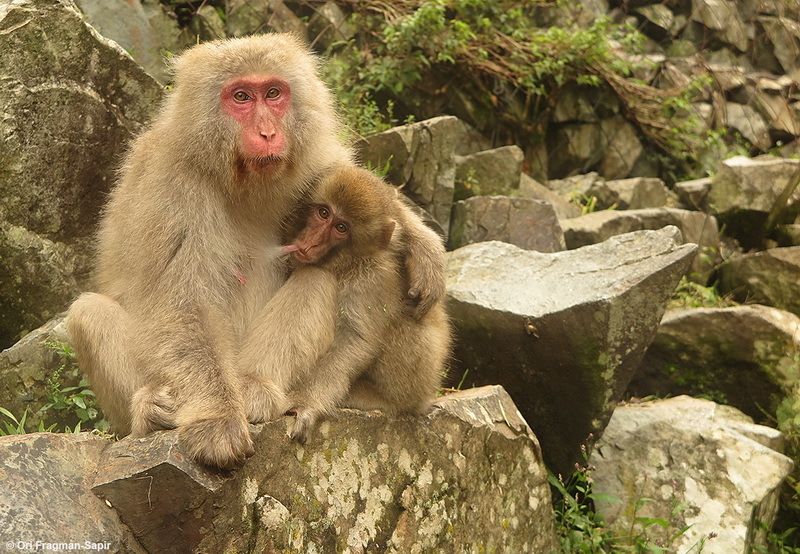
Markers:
point(259, 103)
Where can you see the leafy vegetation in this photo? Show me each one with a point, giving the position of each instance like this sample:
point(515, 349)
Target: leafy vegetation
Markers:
point(73, 405)
point(581, 529)
point(689, 294)
point(501, 65)
point(13, 426)
point(785, 534)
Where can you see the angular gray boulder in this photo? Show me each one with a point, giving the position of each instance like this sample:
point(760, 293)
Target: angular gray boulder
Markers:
point(770, 277)
point(705, 468)
point(696, 227)
point(420, 159)
point(745, 356)
point(529, 224)
point(754, 184)
point(494, 172)
point(563, 332)
point(631, 194)
point(750, 195)
point(534, 190)
point(71, 101)
point(126, 23)
point(39, 278)
point(46, 495)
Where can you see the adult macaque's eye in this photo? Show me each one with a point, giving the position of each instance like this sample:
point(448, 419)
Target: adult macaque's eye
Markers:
point(341, 228)
point(274, 92)
point(323, 212)
point(241, 96)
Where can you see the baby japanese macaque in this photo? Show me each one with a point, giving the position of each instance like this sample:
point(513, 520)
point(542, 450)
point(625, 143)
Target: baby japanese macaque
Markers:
point(355, 229)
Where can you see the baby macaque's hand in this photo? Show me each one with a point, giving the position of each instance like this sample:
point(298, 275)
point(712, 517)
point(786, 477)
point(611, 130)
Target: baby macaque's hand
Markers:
point(426, 286)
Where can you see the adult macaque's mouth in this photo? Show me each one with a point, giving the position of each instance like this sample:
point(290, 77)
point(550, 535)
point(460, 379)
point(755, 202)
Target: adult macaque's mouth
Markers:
point(265, 161)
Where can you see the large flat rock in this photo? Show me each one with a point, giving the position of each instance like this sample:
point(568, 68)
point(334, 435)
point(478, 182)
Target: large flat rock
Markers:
point(562, 332)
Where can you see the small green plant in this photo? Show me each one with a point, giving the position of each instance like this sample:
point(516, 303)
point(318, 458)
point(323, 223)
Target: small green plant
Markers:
point(463, 379)
point(75, 402)
point(785, 542)
point(639, 537)
point(784, 537)
point(587, 203)
point(579, 527)
point(14, 426)
point(382, 170)
point(689, 294)
point(360, 111)
point(468, 186)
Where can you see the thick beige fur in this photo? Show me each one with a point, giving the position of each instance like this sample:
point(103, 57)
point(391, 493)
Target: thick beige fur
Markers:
point(187, 258)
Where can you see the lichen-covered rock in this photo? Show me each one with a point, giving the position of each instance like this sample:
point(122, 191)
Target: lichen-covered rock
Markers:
point(705, 469)
point(70, 101)
point(39, 279)
point(745, 356)
point(529, 224)
point(770, 277)
point(563, 332)
point(46, 499)
point(468, 478)
point(421, 160)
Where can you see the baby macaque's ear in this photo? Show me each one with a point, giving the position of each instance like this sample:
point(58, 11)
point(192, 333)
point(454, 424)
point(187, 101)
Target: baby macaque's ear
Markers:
point(387, 234)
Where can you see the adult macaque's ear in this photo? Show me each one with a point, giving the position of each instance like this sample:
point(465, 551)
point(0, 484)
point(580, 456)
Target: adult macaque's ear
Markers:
point(387, 234)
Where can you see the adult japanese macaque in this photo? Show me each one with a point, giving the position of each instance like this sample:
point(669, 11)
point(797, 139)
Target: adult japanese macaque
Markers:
point(355, 230)
point(187, 249)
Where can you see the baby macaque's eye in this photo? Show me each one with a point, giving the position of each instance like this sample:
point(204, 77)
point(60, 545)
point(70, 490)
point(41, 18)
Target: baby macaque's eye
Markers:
point(341, 228)
point(323, 212)
point(274, 92)
point(241, 96)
